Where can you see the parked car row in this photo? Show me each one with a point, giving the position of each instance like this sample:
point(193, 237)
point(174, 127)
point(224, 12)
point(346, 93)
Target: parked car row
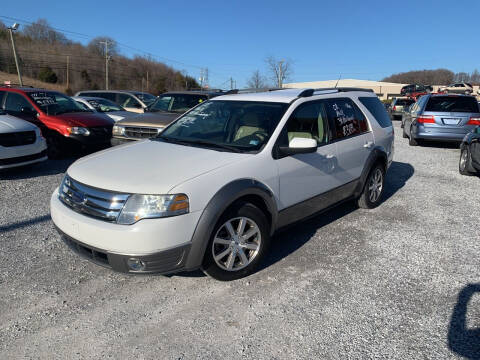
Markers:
point(446, 117)
point(85, 121)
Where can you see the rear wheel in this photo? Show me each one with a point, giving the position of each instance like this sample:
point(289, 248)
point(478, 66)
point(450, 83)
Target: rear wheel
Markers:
point(411, 139)
point(404, 134)
point(464, 165)
point(238, 243)
point(373, 189)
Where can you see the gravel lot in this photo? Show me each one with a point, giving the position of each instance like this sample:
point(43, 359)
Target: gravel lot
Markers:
point(393, 282)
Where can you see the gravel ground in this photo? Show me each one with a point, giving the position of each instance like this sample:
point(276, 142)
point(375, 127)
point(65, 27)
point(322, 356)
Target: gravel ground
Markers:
point(393, 282)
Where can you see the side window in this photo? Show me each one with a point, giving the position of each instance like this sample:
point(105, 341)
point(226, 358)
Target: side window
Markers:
point(345, 118)
point(15, 102)
point(309, 121)
point(2, 95)
point(126, 100)
point(374, 106)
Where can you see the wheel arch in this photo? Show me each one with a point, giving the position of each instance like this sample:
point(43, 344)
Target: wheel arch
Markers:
point(249, 190)
point(377, 156)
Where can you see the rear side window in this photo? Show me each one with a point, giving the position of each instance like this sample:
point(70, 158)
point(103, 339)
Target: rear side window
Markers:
point(452, 104)
point(404, 102)
point(345, 118)
point(378, 111)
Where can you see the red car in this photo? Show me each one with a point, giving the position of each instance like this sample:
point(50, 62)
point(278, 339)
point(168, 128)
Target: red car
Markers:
point(62, 121)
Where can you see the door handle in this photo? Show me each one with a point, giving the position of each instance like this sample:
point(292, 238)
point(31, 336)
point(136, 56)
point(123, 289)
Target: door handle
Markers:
point(368, 145)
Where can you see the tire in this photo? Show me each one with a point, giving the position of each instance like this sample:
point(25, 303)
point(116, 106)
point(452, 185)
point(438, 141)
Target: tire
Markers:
point(241, 256)
point(464, 164)
point(404, 134)
point(373, 189)
point(54, 146)
point(411, 140)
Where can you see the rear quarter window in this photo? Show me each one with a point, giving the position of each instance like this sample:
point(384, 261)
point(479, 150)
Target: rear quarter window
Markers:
point(375, 107)
point(452, 104)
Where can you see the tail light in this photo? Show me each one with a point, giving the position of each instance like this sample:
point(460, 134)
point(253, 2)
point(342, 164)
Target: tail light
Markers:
point(394, 108)
point(426, 119)
point(474, 121)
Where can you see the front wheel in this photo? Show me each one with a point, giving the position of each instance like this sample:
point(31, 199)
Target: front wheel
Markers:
point(238, 243)
point(373, 189)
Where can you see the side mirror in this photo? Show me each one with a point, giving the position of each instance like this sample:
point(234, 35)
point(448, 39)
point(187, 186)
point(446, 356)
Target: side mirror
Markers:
point(299, 146)
point(28, 111)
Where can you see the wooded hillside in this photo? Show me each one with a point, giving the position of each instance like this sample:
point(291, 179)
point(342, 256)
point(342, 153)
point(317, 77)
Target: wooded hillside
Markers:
point(434, 77)
point(46, 54)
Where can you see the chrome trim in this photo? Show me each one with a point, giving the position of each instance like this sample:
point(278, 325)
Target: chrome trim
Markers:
point(100, 204)
point(141, 132)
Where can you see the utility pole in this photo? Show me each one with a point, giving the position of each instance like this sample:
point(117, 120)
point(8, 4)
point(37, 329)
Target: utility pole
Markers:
point(68, 66)
point(231, 83)
point(11, 29)
point(106, 62)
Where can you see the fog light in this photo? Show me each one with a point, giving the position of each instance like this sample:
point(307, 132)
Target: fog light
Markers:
point(136, 264)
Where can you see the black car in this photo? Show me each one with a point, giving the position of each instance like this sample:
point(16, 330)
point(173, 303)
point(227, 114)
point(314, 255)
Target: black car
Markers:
point(469, 163)
point(415, 89)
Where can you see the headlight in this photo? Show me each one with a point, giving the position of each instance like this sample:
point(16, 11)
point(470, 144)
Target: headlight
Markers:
point(78, 131)
point(118, 130)
point(152, 206)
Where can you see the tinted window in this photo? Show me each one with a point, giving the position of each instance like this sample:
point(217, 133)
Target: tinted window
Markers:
point(127, 101)
point(179, 103)
point(2, 94)
point(15, 102)
point(345, 117)
point(404, 102)
point(54, 103)
point(375, 108)
point(452, 104)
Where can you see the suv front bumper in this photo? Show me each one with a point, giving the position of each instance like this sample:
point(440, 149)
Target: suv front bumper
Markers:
point(162, 262)
point(161, 244)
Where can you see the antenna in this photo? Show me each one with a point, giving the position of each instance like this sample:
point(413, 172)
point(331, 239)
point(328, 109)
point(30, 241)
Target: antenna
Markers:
point(338, 80)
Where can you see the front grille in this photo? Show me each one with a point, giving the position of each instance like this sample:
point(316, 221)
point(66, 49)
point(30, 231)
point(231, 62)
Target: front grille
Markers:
point(100, 204)
point(17, 138)
point(101, 131)
point(22, 159)
point(141, 132)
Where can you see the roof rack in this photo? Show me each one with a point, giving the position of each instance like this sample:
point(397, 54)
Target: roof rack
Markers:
point(253, 90)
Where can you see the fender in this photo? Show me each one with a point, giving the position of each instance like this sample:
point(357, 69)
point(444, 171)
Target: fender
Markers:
point(377, 154)
point(225, 197)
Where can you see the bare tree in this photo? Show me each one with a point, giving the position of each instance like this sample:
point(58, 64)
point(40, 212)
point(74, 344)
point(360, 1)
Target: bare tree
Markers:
point(97, 46)
point(42, 31)
point(256, 81)
point(280, 70)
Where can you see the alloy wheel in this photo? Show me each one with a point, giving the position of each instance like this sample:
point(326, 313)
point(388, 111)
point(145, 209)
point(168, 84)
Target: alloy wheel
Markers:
point(236, 243)
point(376, 185)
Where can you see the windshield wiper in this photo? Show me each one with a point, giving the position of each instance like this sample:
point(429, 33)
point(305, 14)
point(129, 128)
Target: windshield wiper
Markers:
point(200, 142)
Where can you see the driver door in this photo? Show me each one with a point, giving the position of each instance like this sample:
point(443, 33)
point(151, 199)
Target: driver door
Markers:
point(304, 176)
point(17, 105)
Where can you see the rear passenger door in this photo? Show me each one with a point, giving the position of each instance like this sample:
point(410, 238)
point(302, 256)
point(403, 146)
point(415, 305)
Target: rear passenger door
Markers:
point(352, 136)
point(304, 176)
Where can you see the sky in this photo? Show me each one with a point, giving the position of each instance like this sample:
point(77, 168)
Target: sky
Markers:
point(362, 39)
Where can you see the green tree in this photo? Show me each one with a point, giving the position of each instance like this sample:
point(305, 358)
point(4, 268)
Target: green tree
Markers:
point(46, 74)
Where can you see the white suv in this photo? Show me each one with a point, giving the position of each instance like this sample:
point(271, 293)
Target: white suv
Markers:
point(210, 191)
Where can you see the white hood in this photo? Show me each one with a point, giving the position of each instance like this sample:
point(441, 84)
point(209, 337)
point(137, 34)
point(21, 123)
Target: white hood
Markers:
point(148, 167)
point(10, 123)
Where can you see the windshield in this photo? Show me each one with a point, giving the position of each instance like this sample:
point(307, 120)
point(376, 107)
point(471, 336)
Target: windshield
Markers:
point(404, 102)
point(229, 125)
point(53, 103)
point(452, 104)
point(177, 103)
point(104, 105)
point(145, 97)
